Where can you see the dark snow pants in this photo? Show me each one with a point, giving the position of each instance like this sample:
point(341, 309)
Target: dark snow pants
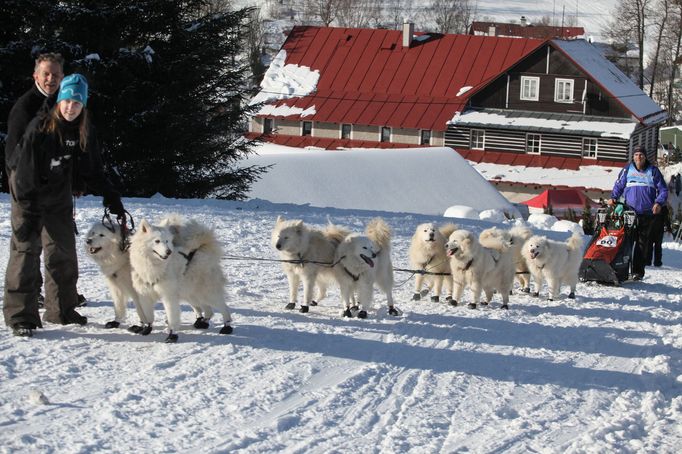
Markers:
point(53, 229)
point(642, 243)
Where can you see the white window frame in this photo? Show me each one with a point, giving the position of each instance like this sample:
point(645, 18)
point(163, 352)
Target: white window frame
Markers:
point(560, 90)
point(381, 134)
point(590, 153)
point(350, 133)
point(475, 144)
point(531, 149)
point(421, 137)
point(272, 125)
point(303, 128)
point(533, 88)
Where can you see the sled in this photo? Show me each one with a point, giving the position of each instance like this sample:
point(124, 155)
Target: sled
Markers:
point(608, 257)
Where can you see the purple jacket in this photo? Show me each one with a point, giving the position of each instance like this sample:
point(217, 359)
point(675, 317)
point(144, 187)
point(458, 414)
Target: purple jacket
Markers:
point(641, 188)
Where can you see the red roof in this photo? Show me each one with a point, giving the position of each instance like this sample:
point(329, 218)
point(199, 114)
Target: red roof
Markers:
point(368, 77)
point(560, 199)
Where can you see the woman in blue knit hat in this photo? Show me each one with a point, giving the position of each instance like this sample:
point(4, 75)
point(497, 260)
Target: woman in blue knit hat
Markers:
point(59, 158)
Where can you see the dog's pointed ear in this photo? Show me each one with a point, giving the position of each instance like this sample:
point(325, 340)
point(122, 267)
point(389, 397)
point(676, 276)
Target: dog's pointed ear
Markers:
point(144, 226)
point(279, 220)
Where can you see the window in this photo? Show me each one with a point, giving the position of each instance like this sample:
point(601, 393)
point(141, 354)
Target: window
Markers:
point(268, 125)
point(425, 138)
point(477, 139)
point(530, 88)
point(563, 90)
point(533, 143)
point(590, 148)
point(345, 131)
point(385, 134)
point(307, 128)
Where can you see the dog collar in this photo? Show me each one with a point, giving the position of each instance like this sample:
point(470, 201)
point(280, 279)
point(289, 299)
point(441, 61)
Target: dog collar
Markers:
point(468, 265)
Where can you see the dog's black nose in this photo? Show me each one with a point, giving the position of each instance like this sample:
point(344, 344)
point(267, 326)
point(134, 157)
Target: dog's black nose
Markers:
point(88, 241)
point(278, 246)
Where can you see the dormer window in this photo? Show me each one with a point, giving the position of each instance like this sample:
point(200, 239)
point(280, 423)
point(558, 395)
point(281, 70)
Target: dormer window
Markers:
point(385, 134)
point(530, 88)
point(306, 128)
point(563, 90)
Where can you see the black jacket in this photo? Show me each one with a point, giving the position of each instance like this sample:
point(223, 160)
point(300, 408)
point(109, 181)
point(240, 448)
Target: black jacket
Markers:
point(28, 106)
point(48, 169)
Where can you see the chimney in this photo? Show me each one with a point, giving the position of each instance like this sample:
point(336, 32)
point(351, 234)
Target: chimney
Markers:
point(524, 21)
point(408, 31)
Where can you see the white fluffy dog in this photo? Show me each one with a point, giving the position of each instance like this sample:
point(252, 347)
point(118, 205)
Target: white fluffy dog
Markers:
point(178, 260)
point(557, 262)
point(520, 234)
point(482, 269)
point(311, 255)
point(362, 261)
point(427, 254)
point(103, 245)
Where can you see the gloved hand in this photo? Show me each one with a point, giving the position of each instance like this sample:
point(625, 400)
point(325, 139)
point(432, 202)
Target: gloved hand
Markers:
point(113, 202)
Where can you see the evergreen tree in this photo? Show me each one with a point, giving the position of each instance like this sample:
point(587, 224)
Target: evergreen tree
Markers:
point(168, 83)
point(588, 220)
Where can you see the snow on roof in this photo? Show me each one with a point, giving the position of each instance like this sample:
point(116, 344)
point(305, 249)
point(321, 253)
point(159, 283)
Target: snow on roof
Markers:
point(597, 177)
point(415, 180)
point(612, 79)
point(556, 122)
point(285, 81)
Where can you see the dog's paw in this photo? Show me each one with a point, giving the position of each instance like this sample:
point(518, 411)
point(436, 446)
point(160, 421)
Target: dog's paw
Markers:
point(362, 314)
point(226, 329)
point(471, 305)
point(146, 330)
point(416, 297)
point(290, 306)
point(313, 303)
point(394, 311)
point(112, 324)
point(452, 302)
point(171, 339)
point(571, 295)
point(347, 312)
point(435, 299)
point(201, 323)
point(304, 309)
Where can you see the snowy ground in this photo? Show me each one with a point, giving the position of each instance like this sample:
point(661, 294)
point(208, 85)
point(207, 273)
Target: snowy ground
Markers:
point(599, 374)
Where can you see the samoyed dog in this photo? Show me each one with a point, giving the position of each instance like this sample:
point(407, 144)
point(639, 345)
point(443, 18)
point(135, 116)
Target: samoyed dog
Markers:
point(555, 261)
point(362, 260)
point(427, 254)
point(178, 260)
point(103, 246)
point(482, 269)
point(308, 257)
point(520, 234)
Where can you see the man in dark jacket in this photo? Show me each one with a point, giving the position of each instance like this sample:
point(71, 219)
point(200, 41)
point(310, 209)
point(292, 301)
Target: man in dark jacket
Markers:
point(47, 74)
point(645, 191)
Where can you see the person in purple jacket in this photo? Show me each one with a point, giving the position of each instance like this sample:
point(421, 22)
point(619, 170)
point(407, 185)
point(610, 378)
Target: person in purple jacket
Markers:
point(644, 189)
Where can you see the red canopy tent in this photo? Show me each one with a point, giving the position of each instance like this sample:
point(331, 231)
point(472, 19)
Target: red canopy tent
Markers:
point(561, 200)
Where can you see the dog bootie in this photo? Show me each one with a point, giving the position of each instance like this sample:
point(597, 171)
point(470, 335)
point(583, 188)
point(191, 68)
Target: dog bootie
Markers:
point(435, 299)
point(172, 338)
point(304, 309)
point(347, 312)
point(471, 305)
point(201, 323)
point(226, 329)
point(112, 324)
point(393, 311)
point(416, 297)
point(362, 314)
point(504, 306)
point(290, 306)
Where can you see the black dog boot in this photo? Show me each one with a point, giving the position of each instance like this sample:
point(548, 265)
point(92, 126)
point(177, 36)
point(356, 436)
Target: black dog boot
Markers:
point(571, 295)
point(416, 297)
point(393, 311)
point(201, 323)
point(435, 299)
point(172, 338)
point(226, 329)
point(290, 306)
point(362, 314)
point(304, 309)
point(112, 324)
point(347, 312)
point(471, 305)
point(452, 302)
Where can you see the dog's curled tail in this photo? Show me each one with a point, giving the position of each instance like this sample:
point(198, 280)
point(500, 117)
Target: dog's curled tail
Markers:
point(196, 236)
point(447, 229)
point(494, 238)
point(379, 232)
point(335, 233)
point(575, 242)
point(521, 232)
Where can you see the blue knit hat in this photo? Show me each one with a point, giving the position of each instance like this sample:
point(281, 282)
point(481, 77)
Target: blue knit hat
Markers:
point(74, 86)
